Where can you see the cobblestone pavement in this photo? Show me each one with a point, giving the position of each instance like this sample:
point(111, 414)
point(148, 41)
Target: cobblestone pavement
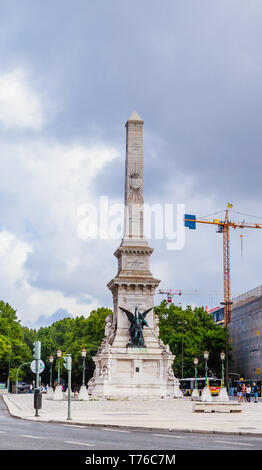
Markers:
point(165, 414)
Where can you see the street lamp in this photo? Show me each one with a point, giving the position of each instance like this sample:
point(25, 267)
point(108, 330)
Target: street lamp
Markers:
point(183, 323)
point(83, 353)
point(196, 364)
point(10, 347)
point(59, 354)
point(206, 356)
point(9, 361)
point(222, 357)
point(51, 360)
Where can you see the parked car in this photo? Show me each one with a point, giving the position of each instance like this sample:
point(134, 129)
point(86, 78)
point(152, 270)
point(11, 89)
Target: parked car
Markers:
point(23, 387)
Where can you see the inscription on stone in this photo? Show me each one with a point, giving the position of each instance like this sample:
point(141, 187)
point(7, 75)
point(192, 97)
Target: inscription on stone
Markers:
point(135, 148)
point(136, 264)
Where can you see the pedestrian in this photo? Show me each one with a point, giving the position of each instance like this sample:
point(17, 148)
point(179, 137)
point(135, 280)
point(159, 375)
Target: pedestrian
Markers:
point(248, 393)
point(243, 390)
point(255, 392)
point(31, 388)
point(239, 392)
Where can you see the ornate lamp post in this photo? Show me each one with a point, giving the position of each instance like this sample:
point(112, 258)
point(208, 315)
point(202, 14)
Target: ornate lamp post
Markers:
point(51, 360)
point(206, 356)
point(222, 357)
point(183, 324)
point(59, 354)
point(195, 364)
point(83, 353)
point(83, 394)
point(9, 361)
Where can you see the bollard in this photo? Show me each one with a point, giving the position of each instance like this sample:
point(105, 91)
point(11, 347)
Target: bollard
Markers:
point(37, 400)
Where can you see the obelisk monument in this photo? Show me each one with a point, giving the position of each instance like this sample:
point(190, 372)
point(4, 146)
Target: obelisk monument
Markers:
point(132, 361)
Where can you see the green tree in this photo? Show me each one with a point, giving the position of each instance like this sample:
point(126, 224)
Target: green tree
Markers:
point(13, 347)
point(194, 331)
point(71, 335)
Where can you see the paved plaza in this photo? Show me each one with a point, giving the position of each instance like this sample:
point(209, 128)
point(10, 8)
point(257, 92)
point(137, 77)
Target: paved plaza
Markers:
point(165, 414)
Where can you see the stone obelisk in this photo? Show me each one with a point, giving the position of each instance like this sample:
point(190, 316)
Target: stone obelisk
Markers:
point(124, 370)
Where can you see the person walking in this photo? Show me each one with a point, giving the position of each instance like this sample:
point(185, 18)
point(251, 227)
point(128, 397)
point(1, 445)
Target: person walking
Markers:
point(239, 392)
point(243, 390)
point(255, 392)
point(248, 393)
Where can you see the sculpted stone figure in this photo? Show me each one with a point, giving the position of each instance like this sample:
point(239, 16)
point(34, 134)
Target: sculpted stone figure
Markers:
point(109, 335)
point(104, 371)
point(170, 374)
point(164, 347)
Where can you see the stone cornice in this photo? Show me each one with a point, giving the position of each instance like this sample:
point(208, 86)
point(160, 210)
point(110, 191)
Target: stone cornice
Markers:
point(133, 281)
point(133, 249)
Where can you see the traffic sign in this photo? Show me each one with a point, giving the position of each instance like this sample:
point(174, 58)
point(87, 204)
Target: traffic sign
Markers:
point(37, 350)
point(68, 362)
point(41, 366)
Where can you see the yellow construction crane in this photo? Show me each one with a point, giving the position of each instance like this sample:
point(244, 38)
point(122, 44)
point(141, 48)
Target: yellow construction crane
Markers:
point(223, 227)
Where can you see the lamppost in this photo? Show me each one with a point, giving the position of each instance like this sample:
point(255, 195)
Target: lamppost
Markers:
point(222, 357)
point(183, 323)
point(9, 361)
point(206, 356)
point(17, 372)
point(196, 364)
point(51, 360)
point(83, 353)
point(9, 365)
point(59, 354)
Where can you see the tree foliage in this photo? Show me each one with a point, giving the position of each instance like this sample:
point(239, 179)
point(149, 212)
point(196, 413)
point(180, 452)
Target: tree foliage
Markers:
point(194, 331)
point(71, 335)
point(14, 350)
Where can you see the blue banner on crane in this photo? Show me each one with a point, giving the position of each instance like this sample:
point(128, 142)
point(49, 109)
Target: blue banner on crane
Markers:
point(190, 221)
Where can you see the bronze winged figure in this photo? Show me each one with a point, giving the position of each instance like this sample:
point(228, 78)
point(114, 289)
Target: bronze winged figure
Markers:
point(137, 323)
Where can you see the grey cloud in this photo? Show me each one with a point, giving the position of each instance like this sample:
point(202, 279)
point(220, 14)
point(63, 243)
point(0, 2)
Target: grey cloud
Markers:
point(191, 69)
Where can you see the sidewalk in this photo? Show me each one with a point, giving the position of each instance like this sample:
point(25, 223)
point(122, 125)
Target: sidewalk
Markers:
point(162, 415)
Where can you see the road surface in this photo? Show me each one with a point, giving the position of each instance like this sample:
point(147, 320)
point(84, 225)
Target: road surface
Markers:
point(18, 434)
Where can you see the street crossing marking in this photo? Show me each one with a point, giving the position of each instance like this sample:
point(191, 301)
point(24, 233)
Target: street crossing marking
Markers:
point(79, 443)
point(114, 430)
point(31, 437)
point(167, 435)
point(236, 443)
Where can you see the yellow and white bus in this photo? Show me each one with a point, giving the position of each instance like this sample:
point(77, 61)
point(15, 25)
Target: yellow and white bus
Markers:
point(187, 385)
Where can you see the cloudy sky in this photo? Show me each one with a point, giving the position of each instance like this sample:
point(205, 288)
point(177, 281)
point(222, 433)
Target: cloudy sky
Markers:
point(71, 73)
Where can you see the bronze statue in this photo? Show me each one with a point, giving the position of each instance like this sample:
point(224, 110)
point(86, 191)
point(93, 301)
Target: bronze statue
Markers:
point(137, 322)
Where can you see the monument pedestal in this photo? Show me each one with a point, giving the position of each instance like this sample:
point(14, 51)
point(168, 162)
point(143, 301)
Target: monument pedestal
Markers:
point(134, 372)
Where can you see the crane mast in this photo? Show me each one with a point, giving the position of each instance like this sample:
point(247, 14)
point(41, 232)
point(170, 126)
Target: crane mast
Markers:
point(227, 277)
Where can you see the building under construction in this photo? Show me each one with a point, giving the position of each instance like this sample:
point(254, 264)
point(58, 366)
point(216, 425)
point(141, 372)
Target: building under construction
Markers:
point(245, 331)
